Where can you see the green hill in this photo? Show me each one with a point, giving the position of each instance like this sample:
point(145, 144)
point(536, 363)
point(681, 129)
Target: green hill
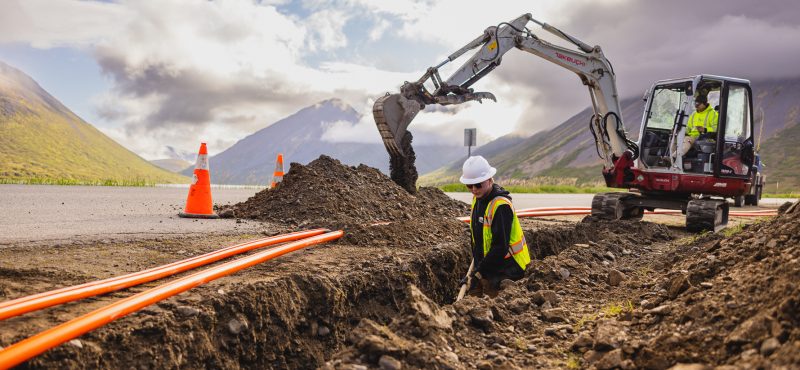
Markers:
point(781, 156)
point(41, 140)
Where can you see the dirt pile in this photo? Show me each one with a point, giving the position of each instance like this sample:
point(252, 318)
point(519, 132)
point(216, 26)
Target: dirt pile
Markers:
point(326, 193)
point(727, 301)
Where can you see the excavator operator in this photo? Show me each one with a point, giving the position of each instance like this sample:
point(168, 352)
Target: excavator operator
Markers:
point(703, 121)
point(499, 250)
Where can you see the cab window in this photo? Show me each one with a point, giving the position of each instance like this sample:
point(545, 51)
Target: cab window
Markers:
point(737, 132)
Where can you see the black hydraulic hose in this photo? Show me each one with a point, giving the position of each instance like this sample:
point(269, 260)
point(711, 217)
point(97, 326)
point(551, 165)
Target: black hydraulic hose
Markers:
point(594, 134)
point(621, 132)
point(497, 39)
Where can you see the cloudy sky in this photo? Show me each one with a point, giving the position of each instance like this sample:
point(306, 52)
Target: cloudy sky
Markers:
point(158, 73)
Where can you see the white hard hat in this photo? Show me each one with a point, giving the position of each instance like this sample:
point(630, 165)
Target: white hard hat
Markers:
point(476, 169)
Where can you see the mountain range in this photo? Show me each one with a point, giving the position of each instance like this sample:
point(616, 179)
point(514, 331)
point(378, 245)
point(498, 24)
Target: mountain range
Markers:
point(41, 140)
point(299, 138)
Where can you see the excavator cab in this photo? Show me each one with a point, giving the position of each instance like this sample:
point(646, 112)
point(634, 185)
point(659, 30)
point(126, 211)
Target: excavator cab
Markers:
point(693, 173)
point(724, 150)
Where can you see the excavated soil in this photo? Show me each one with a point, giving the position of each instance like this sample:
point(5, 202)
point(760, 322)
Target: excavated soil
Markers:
point(326, 193)
point(628, 296)
point(598, 294)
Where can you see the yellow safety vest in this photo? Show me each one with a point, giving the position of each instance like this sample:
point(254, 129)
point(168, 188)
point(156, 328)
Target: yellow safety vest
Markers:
point(708, 118)
point(518, 248)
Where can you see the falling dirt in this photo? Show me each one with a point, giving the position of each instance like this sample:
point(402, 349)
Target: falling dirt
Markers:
point(402, 169)
point(598, 294)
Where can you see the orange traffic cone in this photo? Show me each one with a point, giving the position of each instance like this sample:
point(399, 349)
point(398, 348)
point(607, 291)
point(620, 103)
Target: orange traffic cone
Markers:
point(198, 203)
point(277, 176)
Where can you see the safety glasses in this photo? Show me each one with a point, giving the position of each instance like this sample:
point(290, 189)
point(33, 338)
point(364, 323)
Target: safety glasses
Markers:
point(476, 186)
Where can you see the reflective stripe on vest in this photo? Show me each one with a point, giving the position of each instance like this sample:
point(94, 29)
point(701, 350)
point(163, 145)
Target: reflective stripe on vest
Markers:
point(518, 248)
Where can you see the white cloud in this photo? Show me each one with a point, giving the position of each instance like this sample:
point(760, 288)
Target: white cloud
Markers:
point(327, 30)
point(45, 24)
point(380, 28)
point(186, 70)
point(363, 131)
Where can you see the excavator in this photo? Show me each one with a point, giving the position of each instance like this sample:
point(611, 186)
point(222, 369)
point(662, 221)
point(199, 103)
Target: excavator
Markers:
point(653, 171)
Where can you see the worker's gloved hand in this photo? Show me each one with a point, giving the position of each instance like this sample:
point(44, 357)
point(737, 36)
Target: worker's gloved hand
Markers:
point(475, 277)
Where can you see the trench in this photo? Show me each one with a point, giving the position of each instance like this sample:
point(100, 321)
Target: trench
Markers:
point(297, 316)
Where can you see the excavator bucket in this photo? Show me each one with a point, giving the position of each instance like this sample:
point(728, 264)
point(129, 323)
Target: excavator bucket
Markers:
point(393, 113)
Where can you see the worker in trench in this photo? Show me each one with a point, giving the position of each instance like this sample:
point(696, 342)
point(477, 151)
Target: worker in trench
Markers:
point(499, 250)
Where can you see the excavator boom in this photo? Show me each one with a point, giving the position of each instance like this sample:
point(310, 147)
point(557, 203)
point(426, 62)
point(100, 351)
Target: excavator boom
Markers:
point(393, 113)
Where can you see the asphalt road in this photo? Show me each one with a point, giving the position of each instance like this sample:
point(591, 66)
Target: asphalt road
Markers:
point(42, 213)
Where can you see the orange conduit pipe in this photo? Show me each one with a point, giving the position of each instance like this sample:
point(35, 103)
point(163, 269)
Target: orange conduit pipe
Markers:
point(545, 211)
point(538, 209)
point(750, 214)
point(39, 301)
point(660, 211)
point(572, 211)
point(24, 350)
point(553, 213)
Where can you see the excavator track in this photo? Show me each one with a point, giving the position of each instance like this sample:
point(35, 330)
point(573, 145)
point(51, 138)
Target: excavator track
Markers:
point(611, 206)
point(706, 215)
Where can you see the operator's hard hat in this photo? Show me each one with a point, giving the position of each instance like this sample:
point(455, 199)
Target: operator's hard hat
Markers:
point(476, 169)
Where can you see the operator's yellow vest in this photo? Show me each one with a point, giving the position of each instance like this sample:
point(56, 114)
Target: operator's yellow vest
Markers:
point(518, 248)
point(708, 118)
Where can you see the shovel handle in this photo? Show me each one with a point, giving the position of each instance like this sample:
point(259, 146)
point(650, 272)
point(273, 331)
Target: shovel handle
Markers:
point(463, 291)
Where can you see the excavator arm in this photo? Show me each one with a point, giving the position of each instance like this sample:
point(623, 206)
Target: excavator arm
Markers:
point(394, 112)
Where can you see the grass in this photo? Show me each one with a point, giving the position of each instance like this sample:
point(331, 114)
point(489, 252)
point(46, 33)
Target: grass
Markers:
point(61, 181)
point(40, 145)
point(544, 189)
point(729, 231)
point(783, 195)
point(573, 361)
point(616, 309)
point(692, 239)
point(610, 310)
point(584, 320)
point(643, 272)
point(520, 344)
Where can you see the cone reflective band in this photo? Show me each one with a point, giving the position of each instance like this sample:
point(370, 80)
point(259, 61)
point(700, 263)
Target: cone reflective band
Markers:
point(198, 203)
point(277, 176)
